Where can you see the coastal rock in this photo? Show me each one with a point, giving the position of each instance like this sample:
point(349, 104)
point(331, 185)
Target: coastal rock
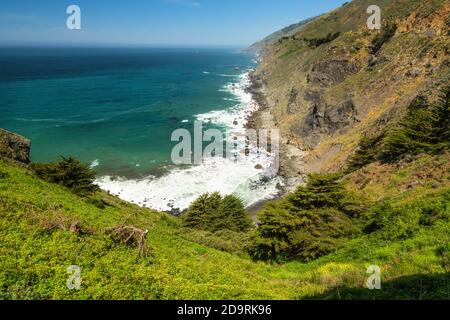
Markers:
point(331, 72)
point(14, 146)
point(413, 73)
point(325, 119)
point(292, 101)
point(312, 95)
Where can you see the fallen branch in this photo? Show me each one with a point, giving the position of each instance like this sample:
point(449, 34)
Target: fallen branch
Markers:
point(130, 236)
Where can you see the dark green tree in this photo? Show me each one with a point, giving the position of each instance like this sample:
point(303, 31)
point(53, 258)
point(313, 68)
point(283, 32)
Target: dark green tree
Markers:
point(365, 154)
point(442, 125)
point(424, 129)
point(307, 224)
point(202, 212)
point(70, 173)
point(233, 215)
point(211, 212)
point(321, 191)
point(276, 223)
point(316, 42)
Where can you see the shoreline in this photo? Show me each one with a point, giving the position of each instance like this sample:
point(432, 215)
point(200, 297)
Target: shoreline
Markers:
point(290, 156)
point(246, 179)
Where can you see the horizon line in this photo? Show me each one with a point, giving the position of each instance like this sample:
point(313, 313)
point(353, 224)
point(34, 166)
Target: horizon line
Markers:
point(119, 45)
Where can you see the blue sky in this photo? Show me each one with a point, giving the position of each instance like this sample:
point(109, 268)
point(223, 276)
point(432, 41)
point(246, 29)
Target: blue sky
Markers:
point(153, 22)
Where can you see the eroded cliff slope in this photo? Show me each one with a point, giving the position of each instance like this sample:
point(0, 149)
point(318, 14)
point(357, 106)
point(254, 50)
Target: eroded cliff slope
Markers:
point(335, 81)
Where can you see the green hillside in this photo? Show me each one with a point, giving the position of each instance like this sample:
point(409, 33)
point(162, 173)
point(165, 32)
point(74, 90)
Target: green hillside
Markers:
point(285, 32)
point(37, 247)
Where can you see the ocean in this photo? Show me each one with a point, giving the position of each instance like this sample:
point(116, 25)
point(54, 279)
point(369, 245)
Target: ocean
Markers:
point(116, 109)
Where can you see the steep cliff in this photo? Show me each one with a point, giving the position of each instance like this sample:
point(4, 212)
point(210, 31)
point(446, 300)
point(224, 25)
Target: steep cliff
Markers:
point(335, 81)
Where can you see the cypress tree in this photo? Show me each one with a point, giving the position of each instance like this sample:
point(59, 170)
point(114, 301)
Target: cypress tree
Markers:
point(68, 172)
point(306, 224)
point(425, 129)
point(211, 212)
point(200, 214)
point(366, 153)
point(233, 215)
point(442, 126)
point(320, 191)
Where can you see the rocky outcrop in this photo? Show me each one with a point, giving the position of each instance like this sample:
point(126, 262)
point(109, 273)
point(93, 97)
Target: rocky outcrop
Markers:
point(331, 72)
point(292, 101)
point(326, 119)
point(15, 147)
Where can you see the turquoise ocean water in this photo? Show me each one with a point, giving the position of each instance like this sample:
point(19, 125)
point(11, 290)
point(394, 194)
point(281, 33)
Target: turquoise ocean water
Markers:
point(116, 106)
point(116, 109)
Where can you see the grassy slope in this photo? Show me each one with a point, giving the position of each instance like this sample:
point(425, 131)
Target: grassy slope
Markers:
point(34, 257)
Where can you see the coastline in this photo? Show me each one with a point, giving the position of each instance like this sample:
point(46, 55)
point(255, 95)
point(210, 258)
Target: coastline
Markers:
point(291, 169)
point(252, 111)
point(247, 178)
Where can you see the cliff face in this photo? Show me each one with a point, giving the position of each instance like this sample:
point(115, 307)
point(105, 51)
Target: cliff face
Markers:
point(15, 147)
point(325, 97)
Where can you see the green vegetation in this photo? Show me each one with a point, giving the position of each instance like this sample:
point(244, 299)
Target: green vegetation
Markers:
point(316, 42)
point(68, 172)
point(318, 218)
point(424, 129)
point(366, 153)
point(401, 221)
point(37, 246)
point(381, 38)
point(211, 212)
point(307, 224)
point(315, 243)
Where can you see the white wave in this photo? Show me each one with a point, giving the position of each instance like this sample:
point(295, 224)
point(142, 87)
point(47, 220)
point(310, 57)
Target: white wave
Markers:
point(95, 163)
point(206, 72)
point(181, 187)
point(184, 121)
point(38, 120)
point(61, 121)
point(249, 177)
point(228, 75)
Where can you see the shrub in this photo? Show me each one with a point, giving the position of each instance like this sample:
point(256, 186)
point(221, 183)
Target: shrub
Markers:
point(365, 154)
point(392, 220)
point(425, 129)
point(70, 173)
point(233, 212)
point(316, 42)
point(384, 36)
point(4, 175)
point(321, 191)
point(211, 212)
point(307, 224)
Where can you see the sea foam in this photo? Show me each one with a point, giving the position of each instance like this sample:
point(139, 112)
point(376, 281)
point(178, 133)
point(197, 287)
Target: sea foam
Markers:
point(251, 177)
